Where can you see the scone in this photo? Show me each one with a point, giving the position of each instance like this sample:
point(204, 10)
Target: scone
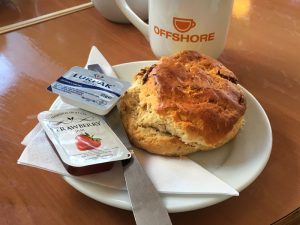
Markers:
point(186, 103)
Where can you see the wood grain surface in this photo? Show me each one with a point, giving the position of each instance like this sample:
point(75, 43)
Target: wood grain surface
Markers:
point(263, 51)
point(13, 11)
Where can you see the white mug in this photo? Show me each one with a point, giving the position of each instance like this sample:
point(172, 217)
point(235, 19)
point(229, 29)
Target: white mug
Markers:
point(176, 25)
point(111, 11)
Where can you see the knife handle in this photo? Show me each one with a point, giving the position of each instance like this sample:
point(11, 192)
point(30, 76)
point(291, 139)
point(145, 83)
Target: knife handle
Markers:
point(147, 206)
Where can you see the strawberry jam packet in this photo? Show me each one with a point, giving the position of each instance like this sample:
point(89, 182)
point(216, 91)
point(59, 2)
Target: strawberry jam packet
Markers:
point(90, 90)
point(82, 140)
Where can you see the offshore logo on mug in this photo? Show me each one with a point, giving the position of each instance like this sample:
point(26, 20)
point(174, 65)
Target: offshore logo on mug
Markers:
point(183, 25)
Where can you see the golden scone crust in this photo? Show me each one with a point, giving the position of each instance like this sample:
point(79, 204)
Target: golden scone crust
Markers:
point(186, 103)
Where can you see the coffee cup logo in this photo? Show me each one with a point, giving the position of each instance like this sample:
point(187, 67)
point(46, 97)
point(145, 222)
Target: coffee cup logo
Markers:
point(183, 25)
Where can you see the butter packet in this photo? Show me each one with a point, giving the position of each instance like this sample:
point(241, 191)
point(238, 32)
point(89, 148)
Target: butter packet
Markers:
point(89, 90)
point(82, 140)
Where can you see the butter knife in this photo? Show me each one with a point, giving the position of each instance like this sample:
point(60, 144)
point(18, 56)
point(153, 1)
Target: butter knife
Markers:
point(147, 206)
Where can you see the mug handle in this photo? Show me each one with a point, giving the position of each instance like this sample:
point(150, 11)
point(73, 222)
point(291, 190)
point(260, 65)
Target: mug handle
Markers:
point(133, 18)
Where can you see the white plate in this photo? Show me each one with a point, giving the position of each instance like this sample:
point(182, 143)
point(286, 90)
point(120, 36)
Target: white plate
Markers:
point(238, 163)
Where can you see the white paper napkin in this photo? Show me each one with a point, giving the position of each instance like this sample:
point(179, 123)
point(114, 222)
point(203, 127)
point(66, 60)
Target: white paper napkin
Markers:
point(169, 174)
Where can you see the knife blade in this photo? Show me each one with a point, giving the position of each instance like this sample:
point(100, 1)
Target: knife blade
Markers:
point(147, 206)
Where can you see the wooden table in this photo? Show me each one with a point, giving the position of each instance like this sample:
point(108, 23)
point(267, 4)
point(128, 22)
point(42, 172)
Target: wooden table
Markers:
point(262, 49)
point(13, 11)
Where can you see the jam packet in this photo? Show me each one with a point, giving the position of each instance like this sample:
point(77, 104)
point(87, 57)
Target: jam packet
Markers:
point(89, 90)
point(82, 140)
